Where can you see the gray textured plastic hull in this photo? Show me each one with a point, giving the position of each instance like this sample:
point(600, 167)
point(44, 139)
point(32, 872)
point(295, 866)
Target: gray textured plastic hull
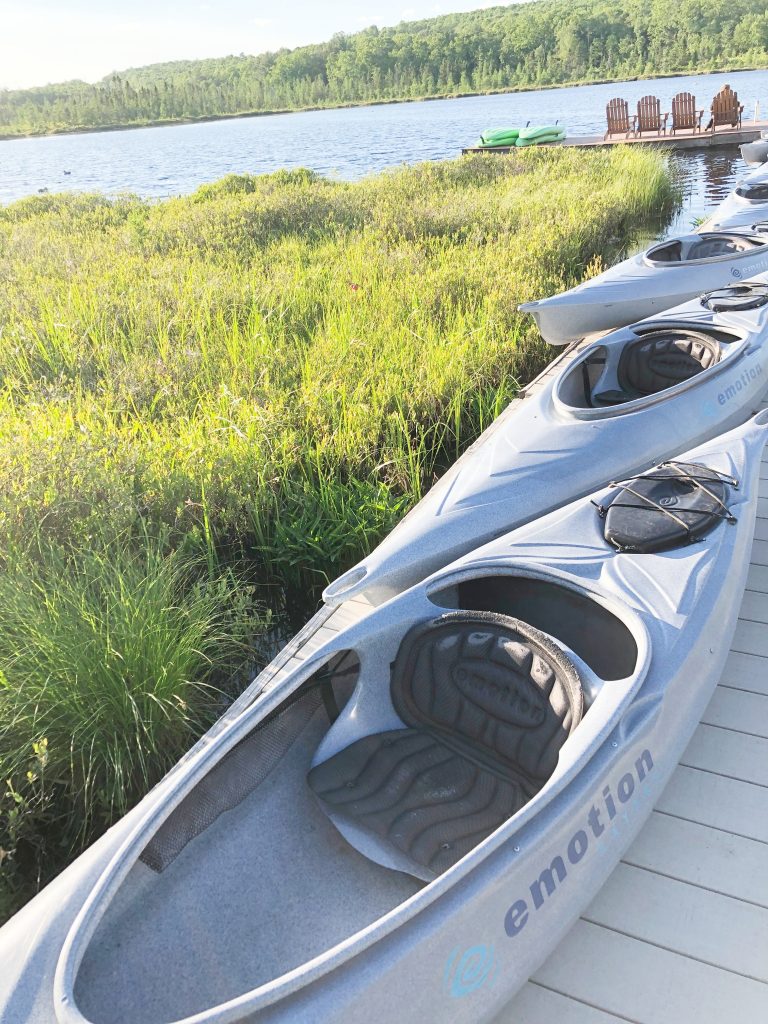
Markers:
point(546, 451)
point(460, 947)
point(640, 287)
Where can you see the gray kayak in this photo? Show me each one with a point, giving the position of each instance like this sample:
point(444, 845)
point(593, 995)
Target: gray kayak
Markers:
point(667, 274)
point(631, 399)
point(745, 205)
point(406, 826)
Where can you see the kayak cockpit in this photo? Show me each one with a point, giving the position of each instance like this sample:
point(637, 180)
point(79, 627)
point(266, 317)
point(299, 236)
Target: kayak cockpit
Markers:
point(753, 192)
point(636, 366)
point(708, 246)
point(246, 880)
point(486, 703)
point(385, 767)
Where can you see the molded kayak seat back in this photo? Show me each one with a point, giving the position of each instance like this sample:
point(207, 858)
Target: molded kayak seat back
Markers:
point(487, 701)
point(659, 360)
point(674, 505)
point(721, 245)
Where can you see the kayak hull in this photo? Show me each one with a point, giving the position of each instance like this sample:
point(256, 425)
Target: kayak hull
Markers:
point(461, 946)
point(739, 211)
point(642, 286)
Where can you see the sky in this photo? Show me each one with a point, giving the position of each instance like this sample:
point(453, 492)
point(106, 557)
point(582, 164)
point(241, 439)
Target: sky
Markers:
point(42, 41)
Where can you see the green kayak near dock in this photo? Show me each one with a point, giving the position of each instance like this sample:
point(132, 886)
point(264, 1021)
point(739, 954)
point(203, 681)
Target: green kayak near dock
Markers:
point(540, 134)
point(528, 136)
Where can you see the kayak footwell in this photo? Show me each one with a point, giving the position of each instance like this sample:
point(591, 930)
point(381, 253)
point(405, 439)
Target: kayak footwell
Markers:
point(188, 908)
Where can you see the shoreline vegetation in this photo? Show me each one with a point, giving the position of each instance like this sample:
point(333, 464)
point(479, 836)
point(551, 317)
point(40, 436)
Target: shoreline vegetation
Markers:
point(538, 45)
point(213, 404)
point(239, 115)
point(352, 105)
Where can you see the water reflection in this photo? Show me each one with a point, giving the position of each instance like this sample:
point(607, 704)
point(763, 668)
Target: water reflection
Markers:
point(707, 176)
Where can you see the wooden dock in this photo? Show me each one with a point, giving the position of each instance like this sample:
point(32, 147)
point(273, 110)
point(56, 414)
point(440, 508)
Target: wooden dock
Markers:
point(680, 140)
point(679, 932)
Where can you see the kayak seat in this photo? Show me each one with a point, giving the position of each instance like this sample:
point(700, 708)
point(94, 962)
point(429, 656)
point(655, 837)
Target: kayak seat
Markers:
point(720, 245)
point(486, 702)
point(659, 360)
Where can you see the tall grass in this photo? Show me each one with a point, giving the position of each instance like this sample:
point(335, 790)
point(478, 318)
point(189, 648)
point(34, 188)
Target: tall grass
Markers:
point(257, 379)
point(111, 660)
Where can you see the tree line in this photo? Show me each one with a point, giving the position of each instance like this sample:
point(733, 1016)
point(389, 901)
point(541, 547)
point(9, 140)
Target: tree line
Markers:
point(546, 42)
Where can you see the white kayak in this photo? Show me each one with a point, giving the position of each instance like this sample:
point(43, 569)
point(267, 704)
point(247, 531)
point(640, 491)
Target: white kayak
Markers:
point(651, 282)
point(405, 827)
point(745, 205)
point(629, 400)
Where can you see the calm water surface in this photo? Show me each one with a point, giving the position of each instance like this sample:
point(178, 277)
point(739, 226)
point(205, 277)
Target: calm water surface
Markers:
point(350, 143)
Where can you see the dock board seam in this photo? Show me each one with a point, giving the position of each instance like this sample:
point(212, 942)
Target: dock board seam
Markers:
point(706, 824)
point(673, 951)
point(743, 689)
point(584, 1002)
point(729, 728)
point(695, 885)
point(724, 775)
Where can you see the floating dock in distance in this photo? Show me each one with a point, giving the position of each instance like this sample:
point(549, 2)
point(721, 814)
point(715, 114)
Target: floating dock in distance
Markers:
point(680, 140)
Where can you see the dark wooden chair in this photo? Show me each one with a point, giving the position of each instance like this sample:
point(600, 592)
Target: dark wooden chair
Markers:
point(685, 116)
point(617, 118)
point(649, 117)
point(726, 109)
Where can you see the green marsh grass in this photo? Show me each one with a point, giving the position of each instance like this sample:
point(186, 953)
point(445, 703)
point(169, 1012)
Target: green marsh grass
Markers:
point(114, 660)
point(253, 383)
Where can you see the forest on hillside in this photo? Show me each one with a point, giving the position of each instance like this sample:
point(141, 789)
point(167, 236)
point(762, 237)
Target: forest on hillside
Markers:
point(545, 42)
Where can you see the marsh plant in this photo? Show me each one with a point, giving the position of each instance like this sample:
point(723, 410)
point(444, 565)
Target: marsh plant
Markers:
point(212, 405)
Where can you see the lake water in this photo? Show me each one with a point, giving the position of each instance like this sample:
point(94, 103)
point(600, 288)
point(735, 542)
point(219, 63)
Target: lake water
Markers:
point(352, 142)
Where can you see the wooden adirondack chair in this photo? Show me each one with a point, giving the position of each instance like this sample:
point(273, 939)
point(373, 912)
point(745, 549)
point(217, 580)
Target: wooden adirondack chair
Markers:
point(685, 116)
point(649, 117)
point(726, 109)
point(617, 118)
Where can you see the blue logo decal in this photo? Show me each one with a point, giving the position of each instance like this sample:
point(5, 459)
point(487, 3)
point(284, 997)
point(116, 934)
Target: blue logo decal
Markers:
point(735, 272)
point(468, 971)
